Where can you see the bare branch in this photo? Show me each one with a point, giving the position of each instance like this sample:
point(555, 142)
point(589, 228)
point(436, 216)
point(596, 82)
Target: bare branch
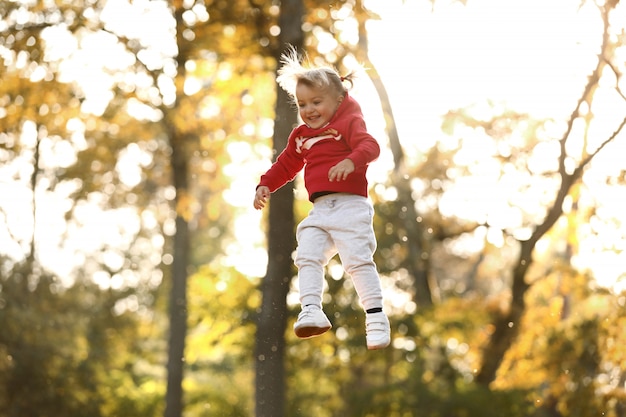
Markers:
point(618, 75)
point(602, 145)
point(592, 83)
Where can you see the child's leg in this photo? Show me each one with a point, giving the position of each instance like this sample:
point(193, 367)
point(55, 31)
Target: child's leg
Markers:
point(356, 244)
point(315, 248)
point(363, 272)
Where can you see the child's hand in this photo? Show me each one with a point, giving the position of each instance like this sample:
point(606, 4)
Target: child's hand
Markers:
point(341, 171)
point(261, 197)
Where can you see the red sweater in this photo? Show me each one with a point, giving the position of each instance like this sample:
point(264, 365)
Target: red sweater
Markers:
point(317, 150)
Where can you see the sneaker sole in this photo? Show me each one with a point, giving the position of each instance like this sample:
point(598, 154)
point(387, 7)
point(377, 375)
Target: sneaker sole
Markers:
point(377, 347)
point(309, 331)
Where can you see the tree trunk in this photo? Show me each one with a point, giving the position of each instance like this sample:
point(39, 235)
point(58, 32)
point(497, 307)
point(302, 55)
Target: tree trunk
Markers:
point(178, 291)
point(419, 258)
point(34, 176)
point(272, 320)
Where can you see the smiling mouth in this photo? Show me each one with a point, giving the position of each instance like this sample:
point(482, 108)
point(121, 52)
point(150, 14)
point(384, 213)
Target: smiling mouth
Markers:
point(313, 118)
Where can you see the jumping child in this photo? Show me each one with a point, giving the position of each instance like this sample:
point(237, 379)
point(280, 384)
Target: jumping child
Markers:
point(334, 148)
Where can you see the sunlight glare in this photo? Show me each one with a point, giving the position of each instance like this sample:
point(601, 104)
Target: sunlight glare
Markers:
point(130, 162)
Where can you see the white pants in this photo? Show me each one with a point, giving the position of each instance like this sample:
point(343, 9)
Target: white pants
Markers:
point(338, 223)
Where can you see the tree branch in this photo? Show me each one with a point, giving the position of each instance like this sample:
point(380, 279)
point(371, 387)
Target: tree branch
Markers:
point(508, 325)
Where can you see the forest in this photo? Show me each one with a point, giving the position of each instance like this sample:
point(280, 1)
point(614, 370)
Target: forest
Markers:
point(136, 279)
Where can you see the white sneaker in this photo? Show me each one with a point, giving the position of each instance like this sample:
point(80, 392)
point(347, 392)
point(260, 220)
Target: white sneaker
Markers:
point(377, 331)
point(311, 322)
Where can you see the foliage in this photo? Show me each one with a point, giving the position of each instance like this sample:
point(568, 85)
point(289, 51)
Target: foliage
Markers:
point(560, 356)
point(70, 351)
point(222, 305)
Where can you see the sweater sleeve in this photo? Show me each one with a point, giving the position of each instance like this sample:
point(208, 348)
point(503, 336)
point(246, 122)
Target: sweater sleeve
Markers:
point(284, 169)
point(365, 148)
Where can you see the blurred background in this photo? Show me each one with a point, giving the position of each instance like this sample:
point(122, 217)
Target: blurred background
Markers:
point(137, 280)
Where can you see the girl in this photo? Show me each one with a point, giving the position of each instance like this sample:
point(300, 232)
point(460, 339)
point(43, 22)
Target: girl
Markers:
point(334, 148)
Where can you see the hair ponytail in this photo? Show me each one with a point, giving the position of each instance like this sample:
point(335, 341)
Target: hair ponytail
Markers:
point(349, 78)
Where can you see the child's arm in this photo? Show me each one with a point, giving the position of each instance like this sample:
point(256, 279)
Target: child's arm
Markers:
point(261, 197)
point(365, 148)
point(282, 171)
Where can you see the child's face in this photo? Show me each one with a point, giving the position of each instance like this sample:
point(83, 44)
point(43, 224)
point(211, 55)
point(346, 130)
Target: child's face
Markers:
point(316, 106)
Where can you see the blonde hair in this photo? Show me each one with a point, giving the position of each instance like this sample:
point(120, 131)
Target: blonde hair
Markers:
point(292, 72)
